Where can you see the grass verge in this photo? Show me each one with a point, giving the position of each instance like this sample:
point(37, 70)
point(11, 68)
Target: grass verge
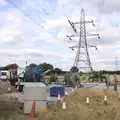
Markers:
point(77, 109)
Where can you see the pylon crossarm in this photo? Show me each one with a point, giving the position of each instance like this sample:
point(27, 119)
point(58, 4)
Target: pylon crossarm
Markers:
point(72, 25)
point(84, 22)
point(93, 35)
point(69, 36)
point(91, 46)
point(73, 46)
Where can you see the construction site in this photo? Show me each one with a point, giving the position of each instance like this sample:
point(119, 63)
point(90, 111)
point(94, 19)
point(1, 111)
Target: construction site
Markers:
point(78, 88)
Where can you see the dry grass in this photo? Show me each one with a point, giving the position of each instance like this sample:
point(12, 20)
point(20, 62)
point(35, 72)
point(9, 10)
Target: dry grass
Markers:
point(9, 110)
point(77, 109)
point(4, 87)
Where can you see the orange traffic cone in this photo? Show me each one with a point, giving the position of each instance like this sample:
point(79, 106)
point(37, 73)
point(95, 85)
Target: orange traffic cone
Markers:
point(33, 112)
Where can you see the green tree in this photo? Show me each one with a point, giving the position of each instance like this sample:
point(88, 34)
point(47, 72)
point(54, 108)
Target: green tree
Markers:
point(74, 69)
point(67, 79)
point(57, 70)
point(53, 78)
point(97, 77)
point(46, 66)
point(32, 65)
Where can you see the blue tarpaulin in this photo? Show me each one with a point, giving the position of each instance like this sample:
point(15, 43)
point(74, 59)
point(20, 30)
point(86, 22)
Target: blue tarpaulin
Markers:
point(57, 89)
point(33, 74)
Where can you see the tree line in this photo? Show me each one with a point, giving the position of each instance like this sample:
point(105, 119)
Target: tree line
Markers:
point(47, 66)
point(54, 71)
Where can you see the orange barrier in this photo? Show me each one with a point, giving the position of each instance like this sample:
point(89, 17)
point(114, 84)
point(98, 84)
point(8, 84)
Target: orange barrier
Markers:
point(33, 111)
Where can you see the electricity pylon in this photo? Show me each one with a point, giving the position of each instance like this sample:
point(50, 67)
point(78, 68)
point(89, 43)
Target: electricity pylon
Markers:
point(82, 59)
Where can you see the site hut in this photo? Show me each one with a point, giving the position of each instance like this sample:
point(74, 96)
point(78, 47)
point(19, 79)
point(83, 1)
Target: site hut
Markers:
point(34, 92)
point(54, 91)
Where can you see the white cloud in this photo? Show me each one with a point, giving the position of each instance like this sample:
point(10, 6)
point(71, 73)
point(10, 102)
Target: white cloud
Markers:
point(101, 4)
point(3, 2)
point(57, 23)
point(11, 27)
point(36, 44)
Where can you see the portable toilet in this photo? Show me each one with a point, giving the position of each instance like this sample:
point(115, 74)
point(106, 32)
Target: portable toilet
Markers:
point(56, 90)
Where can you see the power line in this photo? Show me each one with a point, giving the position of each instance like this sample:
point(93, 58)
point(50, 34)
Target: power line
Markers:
point(63, 6)
point(44, 10)
point(25, 14)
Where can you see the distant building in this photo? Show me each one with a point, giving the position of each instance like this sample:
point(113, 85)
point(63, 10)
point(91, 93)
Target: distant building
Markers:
point(13, 69)
point(12, 72)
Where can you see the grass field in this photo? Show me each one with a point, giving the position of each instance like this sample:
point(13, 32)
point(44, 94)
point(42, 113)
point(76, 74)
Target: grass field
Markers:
point(77, 109)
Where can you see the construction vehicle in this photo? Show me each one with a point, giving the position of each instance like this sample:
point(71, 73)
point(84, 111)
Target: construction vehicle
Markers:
point(4, 74)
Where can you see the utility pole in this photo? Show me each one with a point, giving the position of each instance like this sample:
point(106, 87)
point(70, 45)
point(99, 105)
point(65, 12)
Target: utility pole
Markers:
point(116, 63)
point(26, 62)
point(115, 76)
point(82, 59)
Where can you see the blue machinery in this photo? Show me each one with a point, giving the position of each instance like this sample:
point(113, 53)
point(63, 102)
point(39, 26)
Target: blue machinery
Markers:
point(33, 74)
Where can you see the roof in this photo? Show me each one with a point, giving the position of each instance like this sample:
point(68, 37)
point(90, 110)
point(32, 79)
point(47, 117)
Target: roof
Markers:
point(55, 85)
point(33, 84)
point(12, 66)
point(3, 68)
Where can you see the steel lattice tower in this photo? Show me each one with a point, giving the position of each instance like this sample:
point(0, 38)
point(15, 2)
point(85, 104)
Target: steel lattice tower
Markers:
point(82, 59)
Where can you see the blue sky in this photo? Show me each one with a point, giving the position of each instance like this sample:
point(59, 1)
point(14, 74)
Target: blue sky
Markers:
point(40, 38)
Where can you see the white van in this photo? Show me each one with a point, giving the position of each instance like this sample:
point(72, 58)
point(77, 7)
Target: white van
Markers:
point(4, 75)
